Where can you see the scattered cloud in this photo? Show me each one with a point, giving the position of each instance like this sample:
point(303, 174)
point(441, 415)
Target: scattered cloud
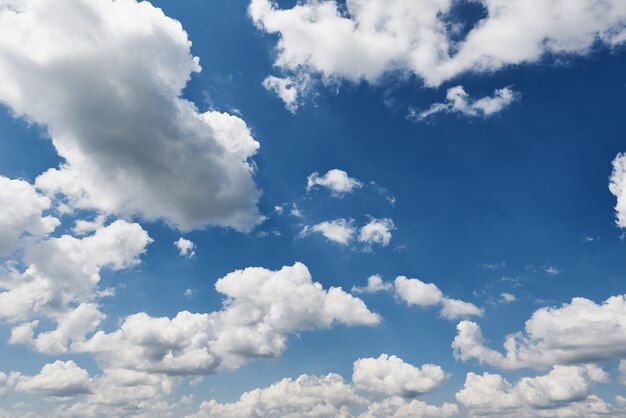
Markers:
point(340, 231)
point(185, 247)
point(507, 297)
point(617, 186)
point(375, 284)
point(337, 181)
point(376, 232)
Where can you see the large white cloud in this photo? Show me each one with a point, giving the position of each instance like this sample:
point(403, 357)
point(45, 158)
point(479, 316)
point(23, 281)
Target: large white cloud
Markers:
point(61, 378)
point(262, 308)
point(22, 214)
point(579, 332)
point(366, 39)
point(566, 391)
point(416, 292)
point(105, 78)
point(391, 376)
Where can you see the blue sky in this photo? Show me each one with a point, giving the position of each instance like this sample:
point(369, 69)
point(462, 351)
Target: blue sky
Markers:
point(467, 155)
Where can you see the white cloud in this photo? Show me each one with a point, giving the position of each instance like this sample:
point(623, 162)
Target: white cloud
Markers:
point(60, 379)
point(391, 376)
point(579, 332)
point(337, 181)
point(22, 215)
point(377, 231)
point(617, 186)
point(340, 231)
point(365, 39)
point(416, 292)
point(288, 89)
point(507, 297)
point(132, 145)
point(458, 101)
point(375, 284)
point(262, 309)
point(185, 247)
point(563, 392)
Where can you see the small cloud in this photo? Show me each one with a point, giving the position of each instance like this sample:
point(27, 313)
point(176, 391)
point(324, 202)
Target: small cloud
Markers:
point(337, 181)
point(551, 270)
point(186, 247)
point(377, 231)
point(295, 211)
point(375, 284)
point(494, 266)
point(507, 297)
point(340, 231)
point(278, 210)
point(189, 293)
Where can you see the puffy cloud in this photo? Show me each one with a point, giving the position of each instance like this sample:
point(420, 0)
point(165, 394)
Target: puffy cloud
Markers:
point(507, 297)
point(416, 292)
point(22, 214)
point(397, 407)
point(340, 231)
point(307, 396)
point(185, 247)
point(459, 102)
point(288, 89)
point(262, 308)
point(377, 231)
point(366, 39)
point(61, 378)
point(337, 181)
point(563, 392)
point(617, 186)
point(579, 332)
point(375, 284)
point(132, 145)
point(391, 376)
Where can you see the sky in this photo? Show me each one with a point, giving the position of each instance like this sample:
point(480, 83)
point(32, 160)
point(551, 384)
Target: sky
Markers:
point(321, 208)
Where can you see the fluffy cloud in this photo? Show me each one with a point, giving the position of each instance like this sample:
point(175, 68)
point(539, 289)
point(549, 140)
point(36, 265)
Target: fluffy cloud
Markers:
point(22, 214)
point(337, 181)
point(340, 231)
point(375, 284)
point(288, 89)
point(61, 378)
point(391, 376)
point(330, 396)
point(132, 145)
point(617, 186)
point(459, 102)
point(369, 38)
point(416, 292)
point(579, 332)
point(563, 392)
point(376, 232)
point(185, 247)
point(262, 308)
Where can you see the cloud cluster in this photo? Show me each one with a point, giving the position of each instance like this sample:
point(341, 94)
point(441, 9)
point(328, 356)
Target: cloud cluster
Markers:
point(186, 248)
point(132, 145)
point(330, 396)
point(566, 391)
point(579, 332)
point(366, 39)
point(58, 379)
point(343, 232)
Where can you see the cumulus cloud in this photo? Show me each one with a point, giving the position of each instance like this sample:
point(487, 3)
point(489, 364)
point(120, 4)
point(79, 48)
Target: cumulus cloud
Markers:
point(563, 392)
point(288, 89)
point(416, 292)
point(185, 247)
point(579, 332)
point(377, 232)
point(60, 379)
point(337, 181)
point(366, 39)
point(331, 396)
point(459, 102)
point(507, 297)
point(22, 215)
point(375, 284)
point(340, 231)
point(617, 186)
point(261, 310)
point(132, 145)
point(391, 376)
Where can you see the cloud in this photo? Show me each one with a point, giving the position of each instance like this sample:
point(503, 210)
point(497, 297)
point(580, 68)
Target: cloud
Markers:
point(59, 379)
point(132, 145)
point(337, 181)
point(459, 102)
point(185, 247)
point(416, 292)
point(331, 396)
point(617, 186)
point(375, 284)
point(288, 89)
point(507, 297)
point(579, 332)
point(563, 392)
point(261, 310)
point(340, 231)
point(377, 231)
point(368, 39)
point(391, 376)
point(22, 215)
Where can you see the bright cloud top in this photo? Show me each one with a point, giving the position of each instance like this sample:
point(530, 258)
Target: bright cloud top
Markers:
point(370, 38)
point(377, 232)
point(132, 145)
point(617, 186)
point(579, 332)
point(337, 181)
point(340, 231)
point(185, 247)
